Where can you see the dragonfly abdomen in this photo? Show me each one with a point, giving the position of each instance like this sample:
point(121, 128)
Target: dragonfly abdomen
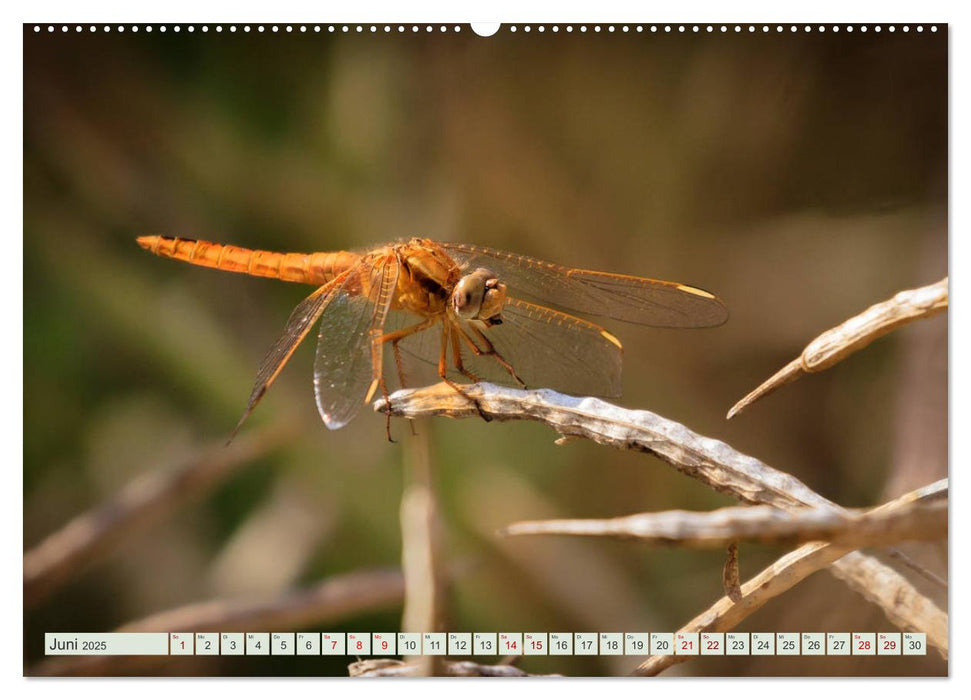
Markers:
point(308, 268)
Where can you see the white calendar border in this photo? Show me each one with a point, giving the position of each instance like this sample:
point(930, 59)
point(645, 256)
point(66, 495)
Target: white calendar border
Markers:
point(823, 11)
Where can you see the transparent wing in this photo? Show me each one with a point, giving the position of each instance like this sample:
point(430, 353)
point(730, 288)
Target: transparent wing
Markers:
point(298, 325)
point(546, 348)
point(624, 297)
point(348, 364)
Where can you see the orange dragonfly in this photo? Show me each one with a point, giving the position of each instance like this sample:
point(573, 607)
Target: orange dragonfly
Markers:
point(486, 308)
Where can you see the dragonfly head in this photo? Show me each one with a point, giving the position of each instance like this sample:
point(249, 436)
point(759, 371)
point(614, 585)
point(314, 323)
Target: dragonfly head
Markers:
point(479, 296)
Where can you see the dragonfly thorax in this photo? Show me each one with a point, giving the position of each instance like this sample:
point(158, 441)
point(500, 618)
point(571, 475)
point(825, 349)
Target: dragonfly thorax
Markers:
point(426, 277)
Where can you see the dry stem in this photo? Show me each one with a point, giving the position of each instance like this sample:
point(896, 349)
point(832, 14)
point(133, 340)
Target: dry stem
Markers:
point(766, 524)
point(854, 334)
point(420, 550)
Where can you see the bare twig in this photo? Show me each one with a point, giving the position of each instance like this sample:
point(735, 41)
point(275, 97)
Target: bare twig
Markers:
point(906, 603)
point(713, 462)
point(375, 668)
point(767, 524)
point(337, 598)
point(142, 502)
point(731, 578)
point(854, 334)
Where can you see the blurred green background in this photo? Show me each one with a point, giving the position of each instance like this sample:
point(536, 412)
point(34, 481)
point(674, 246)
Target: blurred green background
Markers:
point(801, 177)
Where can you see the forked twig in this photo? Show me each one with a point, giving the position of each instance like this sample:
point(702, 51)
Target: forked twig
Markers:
point(766, 524)
point(394, 668)
point(142, 502)
point(713, 462)
point(334, 599)
point(726, 613)
point(854, 334)
point(795, 566)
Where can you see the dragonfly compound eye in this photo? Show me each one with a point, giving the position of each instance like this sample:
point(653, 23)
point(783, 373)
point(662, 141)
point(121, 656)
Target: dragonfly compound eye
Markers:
point(474, 295)
point(493, 301)
point(468, 295)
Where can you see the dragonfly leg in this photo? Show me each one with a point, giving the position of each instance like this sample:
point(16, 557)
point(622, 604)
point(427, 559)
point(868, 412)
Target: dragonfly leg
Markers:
point(457, 356)
point(490, 351)
point(401, 381)
point(396, 337)
point(387, 412)
point(396, 352)
point(399, 335)
point(443, 373)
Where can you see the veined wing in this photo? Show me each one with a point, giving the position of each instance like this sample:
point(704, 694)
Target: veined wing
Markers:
point(347, 369)
point(546, 348)
point(298, 325)
point(640, 300)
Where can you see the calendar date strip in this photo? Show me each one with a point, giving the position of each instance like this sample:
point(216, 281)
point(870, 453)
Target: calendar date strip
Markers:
point(376, 653)
point(337, 598)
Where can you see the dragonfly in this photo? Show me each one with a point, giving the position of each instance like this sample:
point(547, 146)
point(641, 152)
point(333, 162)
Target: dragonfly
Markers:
point(470, 312)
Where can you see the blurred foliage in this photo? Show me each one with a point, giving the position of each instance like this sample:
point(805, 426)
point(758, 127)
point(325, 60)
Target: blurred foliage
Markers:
point(800, 177)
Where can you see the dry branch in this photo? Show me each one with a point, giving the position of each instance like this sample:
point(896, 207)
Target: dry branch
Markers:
point(766, 524)
point(896, 594)
point(337, 598)
point(142, 502)
point(394, 668)
point(854, 334)
point(713, 462)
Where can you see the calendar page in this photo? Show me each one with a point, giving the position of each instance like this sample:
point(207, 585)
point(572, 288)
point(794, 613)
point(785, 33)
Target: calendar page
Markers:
point(561, 349)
